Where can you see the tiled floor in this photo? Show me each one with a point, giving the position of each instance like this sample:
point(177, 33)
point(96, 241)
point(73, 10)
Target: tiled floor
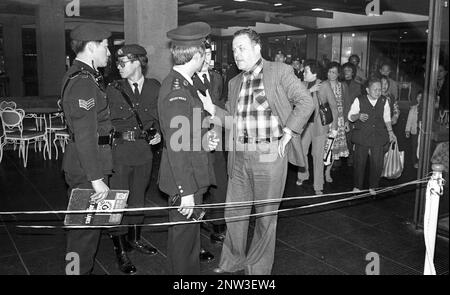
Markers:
point(331, 239)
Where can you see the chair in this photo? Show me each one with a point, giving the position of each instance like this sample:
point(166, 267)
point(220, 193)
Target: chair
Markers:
point(12, 121)
point(57, 126)
point(7, 104)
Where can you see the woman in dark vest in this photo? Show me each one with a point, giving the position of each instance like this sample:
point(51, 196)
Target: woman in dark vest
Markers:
point(371, 114)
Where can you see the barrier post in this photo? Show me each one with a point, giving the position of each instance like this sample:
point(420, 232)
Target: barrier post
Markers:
point(434, 190)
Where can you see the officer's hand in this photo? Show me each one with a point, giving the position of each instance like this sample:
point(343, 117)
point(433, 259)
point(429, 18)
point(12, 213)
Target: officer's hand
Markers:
point(213, 140)
point(156, 139)
point(187, 201)
point(207, 102)
point(282, 144)
point(101, 190)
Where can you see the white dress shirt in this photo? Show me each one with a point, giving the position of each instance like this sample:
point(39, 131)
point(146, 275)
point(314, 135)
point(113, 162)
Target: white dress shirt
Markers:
point(354, 109)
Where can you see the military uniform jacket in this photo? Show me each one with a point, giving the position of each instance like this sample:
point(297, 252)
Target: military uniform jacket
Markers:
point(87, 113)
point(123, 119)
point(185, 166)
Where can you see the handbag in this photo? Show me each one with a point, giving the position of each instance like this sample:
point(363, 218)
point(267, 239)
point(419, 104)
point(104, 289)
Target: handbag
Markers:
point(326, 116)
point(393, 162)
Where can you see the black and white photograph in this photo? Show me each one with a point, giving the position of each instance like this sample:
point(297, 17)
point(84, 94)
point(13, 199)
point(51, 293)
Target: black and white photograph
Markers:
point(220, 146)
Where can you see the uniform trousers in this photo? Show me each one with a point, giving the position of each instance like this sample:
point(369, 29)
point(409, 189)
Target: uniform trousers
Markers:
point(84, 242)
point(218, 192)
point(376, 154)
point(184, 242)
point(258, 174)
point(317, 151)
point(136, 179)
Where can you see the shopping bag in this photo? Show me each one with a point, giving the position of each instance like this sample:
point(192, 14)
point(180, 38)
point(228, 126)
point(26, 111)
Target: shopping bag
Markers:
point(393, 162)
point(327, 154)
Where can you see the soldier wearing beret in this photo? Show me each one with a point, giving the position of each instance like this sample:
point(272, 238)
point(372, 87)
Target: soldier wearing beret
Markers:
point(185, 172)
point(134, 116)
point(87, 162)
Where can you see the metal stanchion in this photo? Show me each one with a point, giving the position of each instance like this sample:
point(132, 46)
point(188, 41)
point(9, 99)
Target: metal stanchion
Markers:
point(435, 189)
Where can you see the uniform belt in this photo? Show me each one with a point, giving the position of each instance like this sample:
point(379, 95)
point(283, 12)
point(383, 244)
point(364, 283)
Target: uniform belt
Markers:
point(102, 140)
point(252, 140)
point(130, 135)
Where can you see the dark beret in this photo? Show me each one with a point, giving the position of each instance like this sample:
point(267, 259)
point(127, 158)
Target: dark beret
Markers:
point(192, 34)
point(89, 32)
point(131, 49)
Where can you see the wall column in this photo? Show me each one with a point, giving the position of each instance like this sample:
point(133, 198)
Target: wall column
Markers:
point(146, 23)
point(12, 34)
point(51, 48)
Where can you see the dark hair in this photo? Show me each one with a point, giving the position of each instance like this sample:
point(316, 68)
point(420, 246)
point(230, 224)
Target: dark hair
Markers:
point(372, 81)
point(350, 65)
point(385, 78)
point(253, 35)
point(184, 54)
point(314, 66)
point(79, 46)
point(354, 56)
point(143, 60)
point(334, 64)
point(207, 45)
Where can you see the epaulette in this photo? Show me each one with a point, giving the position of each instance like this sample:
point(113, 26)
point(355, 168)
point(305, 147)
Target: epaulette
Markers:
point(176, 84)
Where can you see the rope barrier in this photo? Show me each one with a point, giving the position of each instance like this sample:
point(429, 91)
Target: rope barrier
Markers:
point(234, 218)
point(207, 206)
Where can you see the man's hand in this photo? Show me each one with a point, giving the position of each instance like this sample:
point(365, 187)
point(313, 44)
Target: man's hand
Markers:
point(213, 140)
point(187, 201)
point(101, 190)
point(282, 144)
point(156, 139)
point(207, 102)
point(347, 127)
point(407, 134)
point(315, 87)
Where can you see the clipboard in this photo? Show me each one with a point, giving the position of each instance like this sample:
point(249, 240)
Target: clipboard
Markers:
point(80, 199)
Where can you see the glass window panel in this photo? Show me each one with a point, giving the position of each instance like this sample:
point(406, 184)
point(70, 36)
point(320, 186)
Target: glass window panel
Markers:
point(295, 47)
point(355, 43)
point(328, 47)
point(384, 48)
point(275, 44)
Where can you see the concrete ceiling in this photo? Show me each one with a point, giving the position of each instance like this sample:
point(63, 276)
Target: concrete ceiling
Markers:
point(227, 13)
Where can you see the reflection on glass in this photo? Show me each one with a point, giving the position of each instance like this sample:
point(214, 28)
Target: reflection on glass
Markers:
point(295, 47)
point(328, 47)
point(275, 44)
point(384, 49)
point(355, 43)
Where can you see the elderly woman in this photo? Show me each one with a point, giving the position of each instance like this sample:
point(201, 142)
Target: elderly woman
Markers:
point(315, 133)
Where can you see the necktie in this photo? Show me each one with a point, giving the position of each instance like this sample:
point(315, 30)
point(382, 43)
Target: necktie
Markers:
point(136, 89)
point(206, 81)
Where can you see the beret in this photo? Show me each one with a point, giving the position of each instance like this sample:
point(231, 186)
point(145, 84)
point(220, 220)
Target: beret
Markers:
point(134, 49)
point(192, 34)
point(89, 32)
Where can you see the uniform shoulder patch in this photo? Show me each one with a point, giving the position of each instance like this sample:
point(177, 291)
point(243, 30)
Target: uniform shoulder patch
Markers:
point(177, 98)
point(176, 84)
point(86, 104)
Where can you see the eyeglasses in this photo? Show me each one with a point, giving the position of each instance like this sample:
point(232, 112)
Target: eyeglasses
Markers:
point(122, 63)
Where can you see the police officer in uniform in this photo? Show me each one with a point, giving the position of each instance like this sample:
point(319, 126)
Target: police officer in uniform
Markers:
point(186, 171)
point(133, 137)
point(87, 162)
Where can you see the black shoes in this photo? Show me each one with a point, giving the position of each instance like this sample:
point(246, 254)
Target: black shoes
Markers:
point(206, 256)
point(125, 264)
point(217, 238)
point(134, 242)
